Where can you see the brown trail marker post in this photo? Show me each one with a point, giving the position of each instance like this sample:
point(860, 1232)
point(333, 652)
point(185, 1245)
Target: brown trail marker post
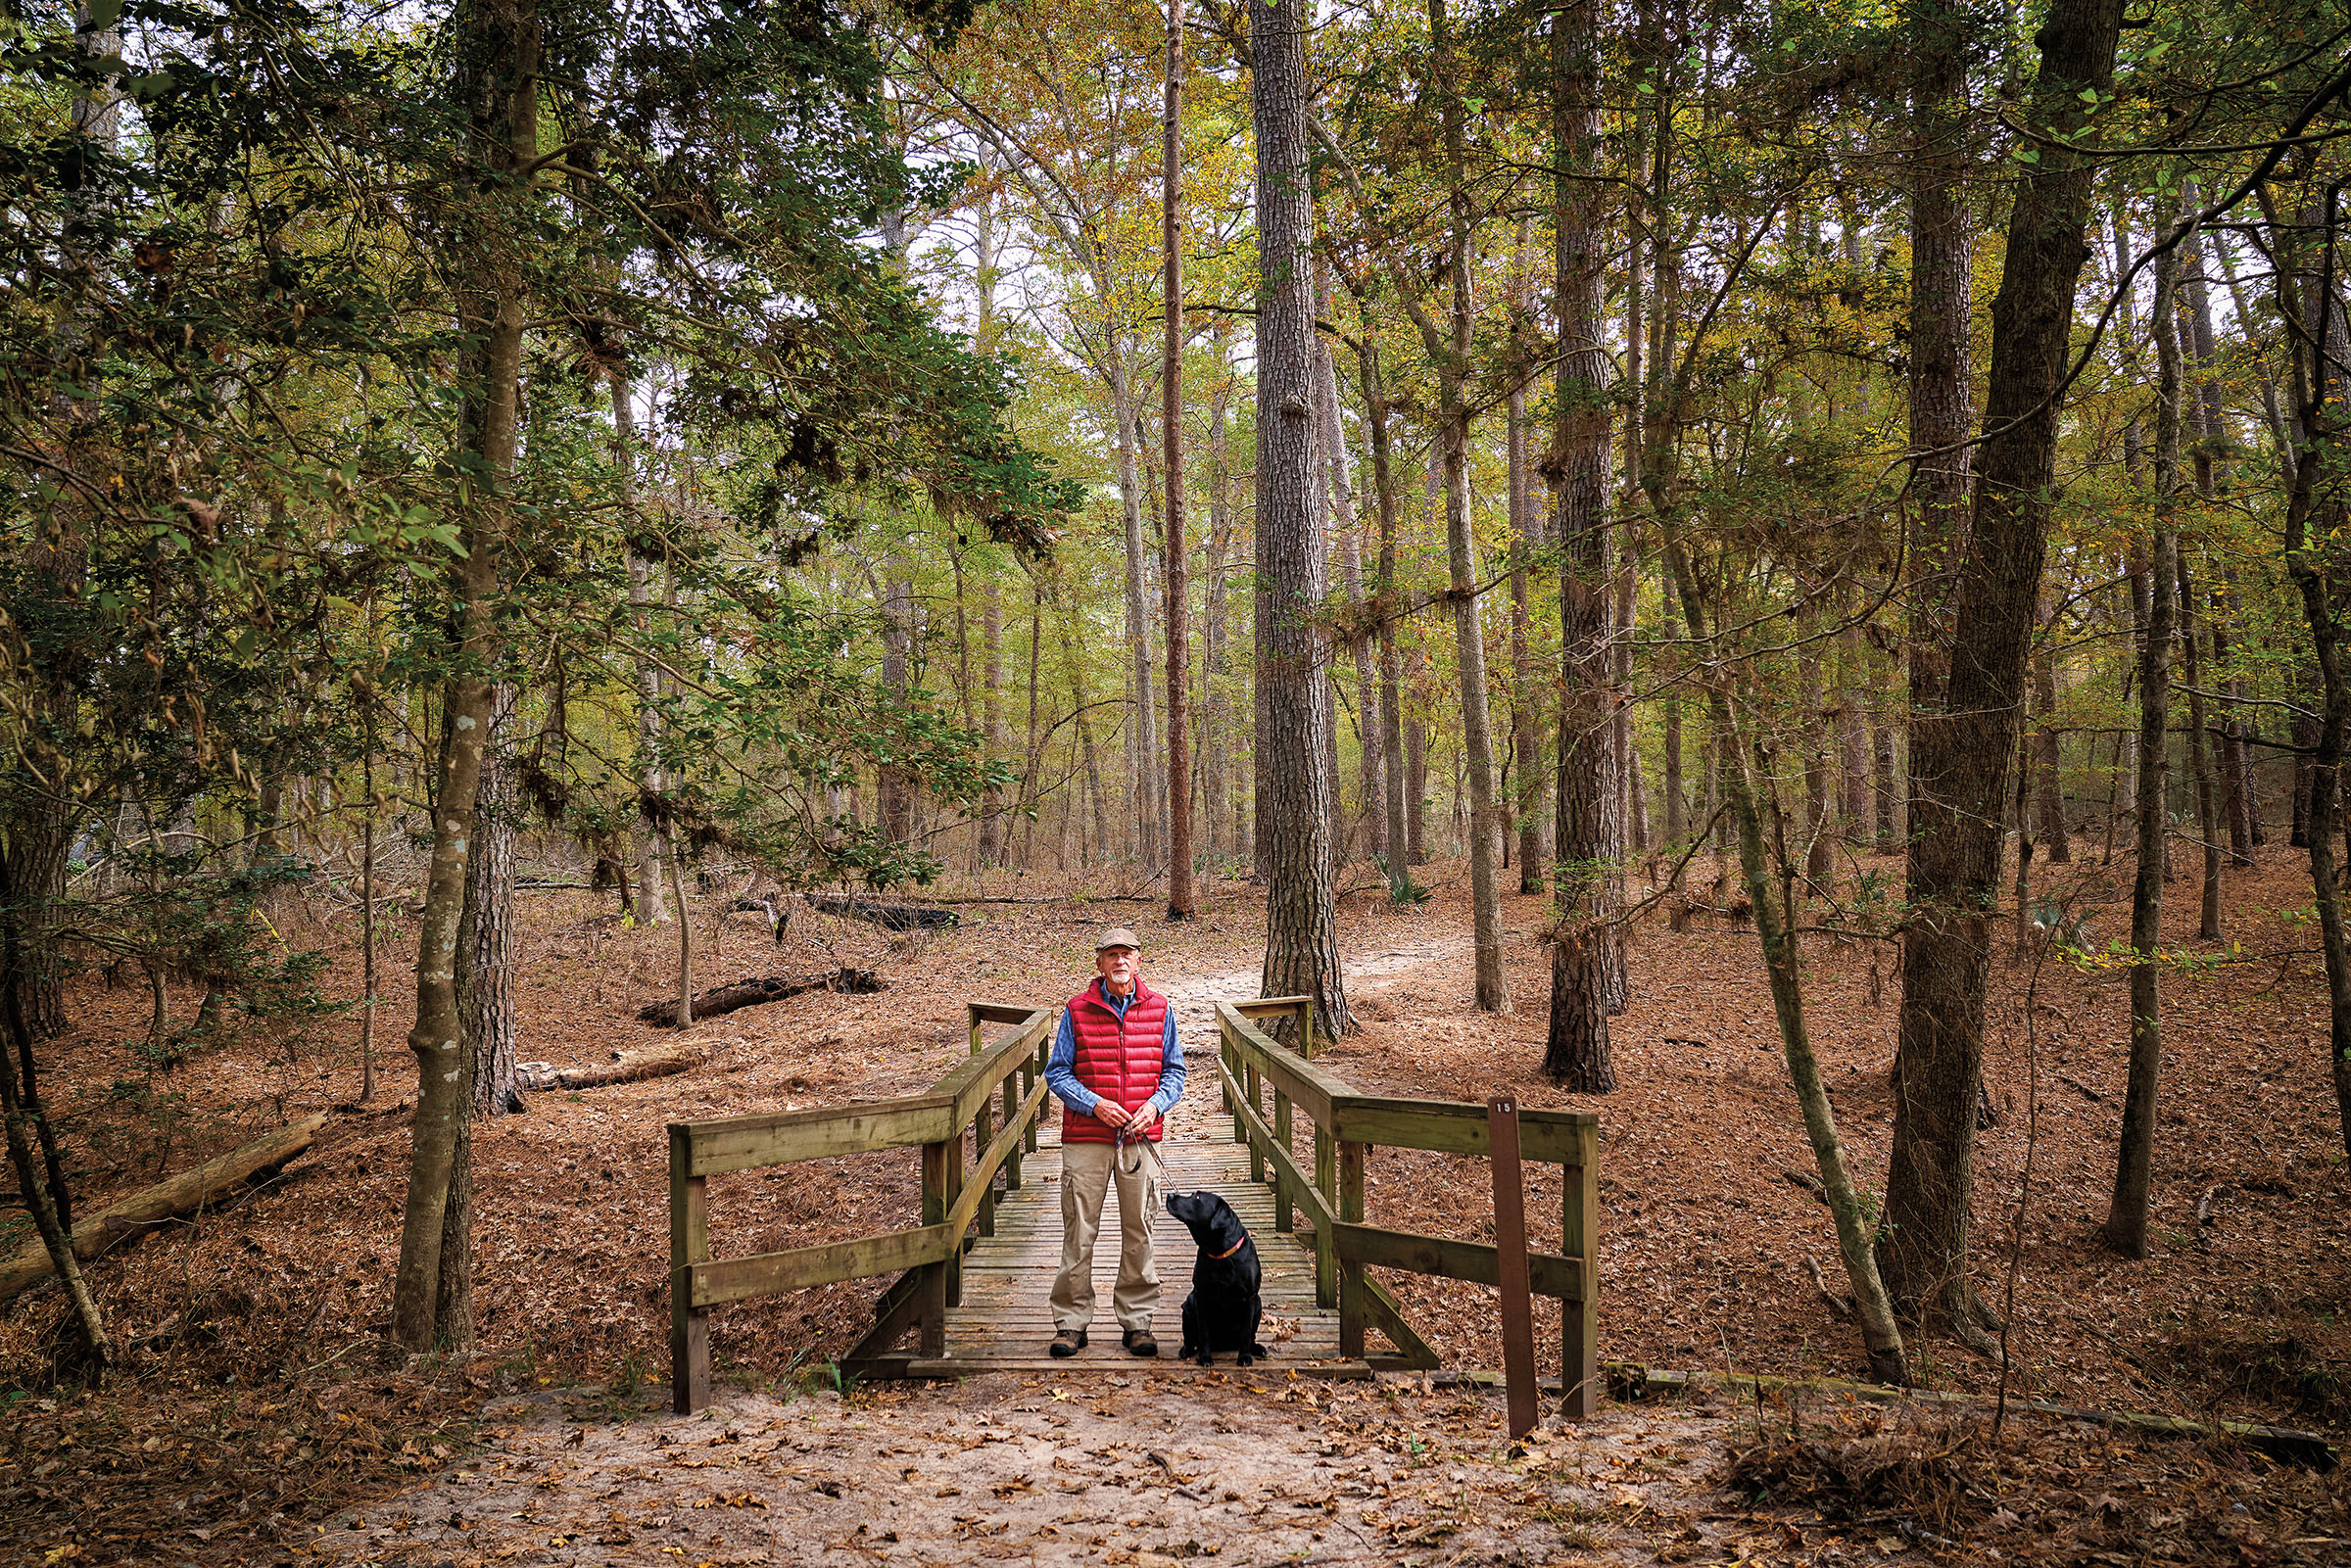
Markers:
point(1509, 1245)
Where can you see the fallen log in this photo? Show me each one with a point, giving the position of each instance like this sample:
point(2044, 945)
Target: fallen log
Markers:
point(167, 1200)
point(626, 1067)
point(890, 917)
point(721, 1000)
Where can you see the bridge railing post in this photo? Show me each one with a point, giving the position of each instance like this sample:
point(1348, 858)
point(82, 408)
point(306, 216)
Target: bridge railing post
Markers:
point(1283, 1220)
point(1579, 1319)
point(941, 1162)
point(1350, 1211)
point(1327, 1245)
point(689, 1245)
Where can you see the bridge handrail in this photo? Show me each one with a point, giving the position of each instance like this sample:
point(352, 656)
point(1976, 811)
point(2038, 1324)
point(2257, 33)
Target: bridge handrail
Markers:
point(1348, 1125)
point(953, 1199)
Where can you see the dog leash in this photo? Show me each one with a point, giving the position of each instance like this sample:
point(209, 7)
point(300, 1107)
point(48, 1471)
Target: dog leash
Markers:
point(1117, 1153)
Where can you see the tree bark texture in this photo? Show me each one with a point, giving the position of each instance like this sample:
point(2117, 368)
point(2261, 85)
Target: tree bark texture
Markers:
point(1576, 1050)
point(1940, 300)
point(1964, 740)
point(1302, 947)
point(488, 1001)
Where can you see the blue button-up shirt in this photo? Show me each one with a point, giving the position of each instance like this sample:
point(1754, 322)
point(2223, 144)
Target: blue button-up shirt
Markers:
point(1061, 1063)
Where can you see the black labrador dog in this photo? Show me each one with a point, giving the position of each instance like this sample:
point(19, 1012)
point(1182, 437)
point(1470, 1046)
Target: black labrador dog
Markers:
point(1222, 1312)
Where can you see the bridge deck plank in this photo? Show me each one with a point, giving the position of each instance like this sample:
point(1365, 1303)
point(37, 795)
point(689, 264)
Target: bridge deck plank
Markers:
point(1004, 1320)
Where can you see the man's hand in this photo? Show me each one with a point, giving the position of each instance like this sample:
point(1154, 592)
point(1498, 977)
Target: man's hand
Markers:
point(1111, 1114)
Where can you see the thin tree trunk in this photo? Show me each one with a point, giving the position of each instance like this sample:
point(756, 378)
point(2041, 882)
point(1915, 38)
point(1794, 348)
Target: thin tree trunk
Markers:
point(498, 70)
point(2199, 753)
point(1493, 993)
point(893, 786)
point(1889, 790)
point(1820, 866)
point(1179, 653)
point(1347, 527)
point(1143, 732)
point(1745, 778)
point(1391, 667)
point(1632, 799)
point(1677, 805)
point(1852, 734)
point(1222, 838)
point(2126, 1214)
point(39, 1187)
point(1526, 705)
point(2049, 757)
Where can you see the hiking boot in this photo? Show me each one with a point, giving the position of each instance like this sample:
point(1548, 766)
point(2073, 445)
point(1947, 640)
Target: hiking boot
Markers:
point(1069, 1341)
point(1138, 1342)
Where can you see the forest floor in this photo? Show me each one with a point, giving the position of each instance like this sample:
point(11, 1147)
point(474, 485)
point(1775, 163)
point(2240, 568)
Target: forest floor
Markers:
point(260, 1409)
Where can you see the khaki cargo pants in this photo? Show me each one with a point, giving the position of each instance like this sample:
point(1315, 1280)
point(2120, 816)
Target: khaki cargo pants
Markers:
point(1087, 1170)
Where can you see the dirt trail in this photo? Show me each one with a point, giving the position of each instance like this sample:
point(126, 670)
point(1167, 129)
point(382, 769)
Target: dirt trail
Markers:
point(1112, 1468)
point(1196, 995)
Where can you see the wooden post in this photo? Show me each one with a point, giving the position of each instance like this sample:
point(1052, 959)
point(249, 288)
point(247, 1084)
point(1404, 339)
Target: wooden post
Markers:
point(1232, 1066)
point(1351, 1310)
point(689, 1244)
point(1257, 1101)
point(938, 1285)
point(1327, 1253)
point(1013, 1092)
point(1509, 1257)
point(1283, 1220)
point(1579, 1321)
point(1306, 1029)
point(971, 1013)
point(1029, 1073)
point(983, 1125)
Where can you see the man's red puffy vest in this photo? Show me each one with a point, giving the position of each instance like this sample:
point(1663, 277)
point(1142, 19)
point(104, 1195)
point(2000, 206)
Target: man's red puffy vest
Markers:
point(1118, 1060)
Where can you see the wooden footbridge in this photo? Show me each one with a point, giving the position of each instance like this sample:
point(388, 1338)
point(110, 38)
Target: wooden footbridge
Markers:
point(971, 1280)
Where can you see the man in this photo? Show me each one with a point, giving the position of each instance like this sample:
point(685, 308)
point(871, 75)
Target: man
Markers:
point(1117, 1070)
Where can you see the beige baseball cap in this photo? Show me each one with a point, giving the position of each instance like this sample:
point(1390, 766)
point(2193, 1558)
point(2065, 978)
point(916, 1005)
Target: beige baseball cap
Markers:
point(1118, 937)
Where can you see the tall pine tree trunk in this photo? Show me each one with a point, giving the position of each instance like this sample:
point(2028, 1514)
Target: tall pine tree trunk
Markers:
point(1302, 945)
point(1576, 1050)
point(1963, 740)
